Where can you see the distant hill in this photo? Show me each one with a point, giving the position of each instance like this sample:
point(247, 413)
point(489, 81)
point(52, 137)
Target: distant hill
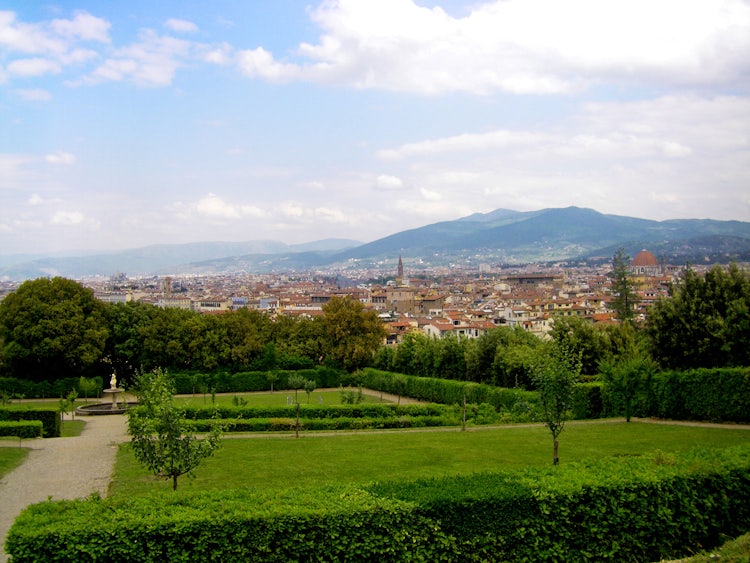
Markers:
point(557, 234)
point(161, 258)
point(502, 237)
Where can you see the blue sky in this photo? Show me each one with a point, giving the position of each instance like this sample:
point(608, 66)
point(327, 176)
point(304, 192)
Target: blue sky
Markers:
point(124, 124)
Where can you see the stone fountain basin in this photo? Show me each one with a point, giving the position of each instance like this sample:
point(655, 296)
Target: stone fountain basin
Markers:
point(104, 408)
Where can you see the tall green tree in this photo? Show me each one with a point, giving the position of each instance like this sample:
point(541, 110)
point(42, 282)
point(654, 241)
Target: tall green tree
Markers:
point(52, 328)
point(350, 335)
point(581, 336)
point(556, 376)
point(623, 288)
point(158, 430)
point(705, 322)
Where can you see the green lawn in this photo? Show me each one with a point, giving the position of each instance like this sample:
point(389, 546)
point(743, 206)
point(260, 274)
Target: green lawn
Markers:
point(11, 457)
point(278, 461)
point(277, 398)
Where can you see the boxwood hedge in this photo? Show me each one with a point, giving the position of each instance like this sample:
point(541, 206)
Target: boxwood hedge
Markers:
point(639, 508)
point(50, 417)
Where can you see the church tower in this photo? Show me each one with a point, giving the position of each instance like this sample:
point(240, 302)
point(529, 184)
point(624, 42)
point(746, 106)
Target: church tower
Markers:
point(400, 271)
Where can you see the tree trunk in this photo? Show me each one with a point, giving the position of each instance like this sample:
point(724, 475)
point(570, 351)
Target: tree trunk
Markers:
point(296, 426)
point(463, 425)
point(174, 482)
point(555, 458)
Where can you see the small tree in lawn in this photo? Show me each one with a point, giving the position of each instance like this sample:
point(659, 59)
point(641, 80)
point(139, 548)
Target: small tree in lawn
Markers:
point(556, 376)
point(296, 382)
point(87, 386)
point(309, 388)
point(625, 376)
point(158, 431)
point(272, 376)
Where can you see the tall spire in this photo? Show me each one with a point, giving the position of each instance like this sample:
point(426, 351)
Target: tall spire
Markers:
point(400, 272)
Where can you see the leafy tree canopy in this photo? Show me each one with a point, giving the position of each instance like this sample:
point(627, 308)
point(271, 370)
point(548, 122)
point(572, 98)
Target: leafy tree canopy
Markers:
point(705, 322)
point(52, 328)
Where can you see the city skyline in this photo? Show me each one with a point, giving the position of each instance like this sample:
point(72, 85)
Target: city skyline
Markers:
point(128, 125)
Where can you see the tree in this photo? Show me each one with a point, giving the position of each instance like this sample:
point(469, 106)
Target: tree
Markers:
point(556, 376)
point(51, 328)
point(623, 288)
point(705, 322)
point(296, 382)
point(626, 375)
point(309, 388)
point(87, 386)
point(584, 337)
point(350, 334)
point(158, 432)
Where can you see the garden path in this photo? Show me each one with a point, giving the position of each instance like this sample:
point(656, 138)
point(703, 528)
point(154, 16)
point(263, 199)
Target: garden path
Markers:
point(61, 468)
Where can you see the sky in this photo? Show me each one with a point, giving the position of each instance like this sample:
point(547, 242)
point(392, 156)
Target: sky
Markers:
point(125, 124)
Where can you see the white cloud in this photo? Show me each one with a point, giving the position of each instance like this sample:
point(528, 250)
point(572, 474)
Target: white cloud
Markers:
point(430, 195)
point(180, 26)
point(83, 26)
point(214, 208)
point(152, 61)
point(68, 218)
point(55, 39)
point(33, 67)
point(385, 182)
point(61, 157)
point(654, 158)
point(260, 63)
point(519, 46)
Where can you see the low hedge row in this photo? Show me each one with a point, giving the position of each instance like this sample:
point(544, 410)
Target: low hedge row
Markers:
point(445, 391)
point(369, 410)
point(21, 429)
point(43, 389)
point(643, 508)
point(318, 424)
point(49, 417)
point(187, 382)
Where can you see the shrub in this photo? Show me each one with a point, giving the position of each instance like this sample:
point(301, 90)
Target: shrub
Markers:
point(49, 417)
point(615, 509)
point(22, 429)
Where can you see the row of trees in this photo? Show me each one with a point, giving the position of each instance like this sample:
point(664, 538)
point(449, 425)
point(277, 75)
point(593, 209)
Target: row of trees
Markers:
point(54, 328)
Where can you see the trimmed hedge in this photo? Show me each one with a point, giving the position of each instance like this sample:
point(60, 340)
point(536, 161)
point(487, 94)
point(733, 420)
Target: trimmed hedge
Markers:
point(718, 395)
point(22, 429)
point(187, 382)
point(642, 508)
point(322, 424)
point(49, 417)
point(445, 391)
point(368, 410)
point(44, 389)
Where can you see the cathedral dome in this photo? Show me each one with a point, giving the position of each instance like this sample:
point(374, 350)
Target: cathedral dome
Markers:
point(644, 259)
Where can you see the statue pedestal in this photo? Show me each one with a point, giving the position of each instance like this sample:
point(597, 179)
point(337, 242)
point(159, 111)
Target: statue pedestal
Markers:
point(114, 393)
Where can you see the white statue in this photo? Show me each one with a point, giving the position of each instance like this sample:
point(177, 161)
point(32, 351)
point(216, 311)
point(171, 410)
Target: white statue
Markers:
point(113, 381)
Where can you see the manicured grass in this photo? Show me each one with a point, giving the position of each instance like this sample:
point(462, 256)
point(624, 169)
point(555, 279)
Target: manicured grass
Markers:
point(275, 399)
point(273, 461)
point(72, 428)
point(10, 458)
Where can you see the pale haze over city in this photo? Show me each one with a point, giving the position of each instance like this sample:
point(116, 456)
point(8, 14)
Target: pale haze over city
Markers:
point(124, 124)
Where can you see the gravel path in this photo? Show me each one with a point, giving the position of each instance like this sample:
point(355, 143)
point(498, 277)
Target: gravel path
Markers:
point(62, 468)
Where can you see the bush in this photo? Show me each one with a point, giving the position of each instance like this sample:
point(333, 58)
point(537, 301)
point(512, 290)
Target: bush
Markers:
point(49, 417)
point(22, 429)
point(616, 509)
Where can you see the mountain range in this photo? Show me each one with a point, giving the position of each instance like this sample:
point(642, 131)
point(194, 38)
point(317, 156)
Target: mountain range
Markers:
point(500, 237)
